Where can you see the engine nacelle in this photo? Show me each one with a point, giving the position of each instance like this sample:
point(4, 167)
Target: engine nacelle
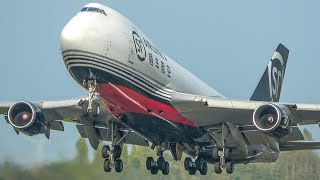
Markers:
point(23, 116)
point(272, 119)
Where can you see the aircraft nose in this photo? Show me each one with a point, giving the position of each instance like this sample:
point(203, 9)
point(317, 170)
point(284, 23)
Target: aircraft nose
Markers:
point(84, 32)
point(71, 35)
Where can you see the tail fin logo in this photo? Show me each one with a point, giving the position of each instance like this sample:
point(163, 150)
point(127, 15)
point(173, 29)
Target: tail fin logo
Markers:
point(276, 75)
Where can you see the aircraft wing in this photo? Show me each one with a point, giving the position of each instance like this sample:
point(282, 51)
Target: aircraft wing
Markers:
point(95, 129)
point(67, 110)
point(207, 111)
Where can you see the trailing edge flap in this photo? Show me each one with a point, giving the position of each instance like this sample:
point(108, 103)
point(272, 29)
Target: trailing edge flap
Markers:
point(299, 145)
point(270, 84)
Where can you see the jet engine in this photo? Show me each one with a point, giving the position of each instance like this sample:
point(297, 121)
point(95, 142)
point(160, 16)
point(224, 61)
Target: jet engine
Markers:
point(25, 118)
point(272, 120)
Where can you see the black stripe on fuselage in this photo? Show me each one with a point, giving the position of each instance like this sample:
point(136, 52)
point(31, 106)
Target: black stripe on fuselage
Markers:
point(84, 59)
point(114, 62)
point(71, 61)
point(103, 78)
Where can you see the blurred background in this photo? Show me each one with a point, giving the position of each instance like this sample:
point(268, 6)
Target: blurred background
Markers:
point(227, 44)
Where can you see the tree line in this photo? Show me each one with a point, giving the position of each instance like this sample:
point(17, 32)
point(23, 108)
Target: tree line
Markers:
point(290, 165)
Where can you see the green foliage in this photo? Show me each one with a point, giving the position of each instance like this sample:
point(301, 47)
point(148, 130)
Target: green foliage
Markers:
point(290, 165)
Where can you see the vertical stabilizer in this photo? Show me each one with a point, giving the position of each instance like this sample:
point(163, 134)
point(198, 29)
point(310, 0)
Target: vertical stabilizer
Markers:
point(270, 84)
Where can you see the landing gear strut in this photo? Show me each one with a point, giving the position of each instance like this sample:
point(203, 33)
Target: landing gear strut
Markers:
point(112, 153)
point(224, 155)
point(161, 164)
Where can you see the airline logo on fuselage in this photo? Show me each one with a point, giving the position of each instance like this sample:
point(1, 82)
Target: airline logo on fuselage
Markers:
point(139, 46)
point(276, 74)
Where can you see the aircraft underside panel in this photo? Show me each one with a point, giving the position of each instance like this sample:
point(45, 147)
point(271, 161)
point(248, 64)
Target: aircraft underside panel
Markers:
point(157, 121)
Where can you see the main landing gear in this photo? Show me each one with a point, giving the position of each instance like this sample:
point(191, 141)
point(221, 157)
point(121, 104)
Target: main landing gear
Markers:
point(198, 165)
point(90, 106)
point(224, 161)
point(112, 158)
point(161, 164)
point(112, 154)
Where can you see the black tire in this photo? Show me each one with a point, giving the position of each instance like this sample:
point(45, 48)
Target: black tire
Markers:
point(105, 151)
point(215, 154)
point(199, 164)
point(187, 162)
point(229, 167)
point(161, 163)
point(204, 169)
point(84, 107)
point(166, 169)
point(217, 168)
point(149, 163)
point(117, 152)
point(192, 171)
point(227, 153)
point(95, 109)
point(118, 165)
point(106, 165)
point(154, 170)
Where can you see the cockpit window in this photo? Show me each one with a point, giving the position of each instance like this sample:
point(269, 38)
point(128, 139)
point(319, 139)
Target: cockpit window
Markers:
point(93, 9)
point(84, 9)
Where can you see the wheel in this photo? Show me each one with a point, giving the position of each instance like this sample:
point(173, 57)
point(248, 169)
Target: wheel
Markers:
point(105, 152)
point(84, 107)
point(227, 153)
point(166, 169)
point(117, 152)
point(95, 109)
point(118, 165)
point(215, 154)
point(154, 170)
point(229, 167)
point(149, 163)
point(204, 169)
point(199, 163)
point(217, 168)
point(161, 163)
point(187, 162)
point(192, 171)
point(107, 166)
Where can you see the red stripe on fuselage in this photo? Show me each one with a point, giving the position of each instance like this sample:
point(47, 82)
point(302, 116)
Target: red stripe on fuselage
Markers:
point(121, 100)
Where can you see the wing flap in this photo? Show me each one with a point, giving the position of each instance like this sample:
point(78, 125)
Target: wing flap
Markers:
point(132, 138)
point(299, 145)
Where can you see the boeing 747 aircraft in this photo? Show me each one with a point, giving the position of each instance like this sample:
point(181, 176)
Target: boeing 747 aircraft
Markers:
point(138, 95)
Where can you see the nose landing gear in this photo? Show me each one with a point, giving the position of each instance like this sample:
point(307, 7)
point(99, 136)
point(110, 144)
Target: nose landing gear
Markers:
point(88, 104)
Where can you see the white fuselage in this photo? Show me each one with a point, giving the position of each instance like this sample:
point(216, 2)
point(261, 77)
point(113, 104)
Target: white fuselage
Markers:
point(114, 36)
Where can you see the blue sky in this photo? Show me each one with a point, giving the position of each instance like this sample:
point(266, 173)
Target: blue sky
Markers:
point(225, 43)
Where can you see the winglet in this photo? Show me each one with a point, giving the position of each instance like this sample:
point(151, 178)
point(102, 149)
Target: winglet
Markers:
point(270, 84)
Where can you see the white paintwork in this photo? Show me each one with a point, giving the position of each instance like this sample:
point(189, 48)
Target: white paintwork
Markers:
point(111, 36)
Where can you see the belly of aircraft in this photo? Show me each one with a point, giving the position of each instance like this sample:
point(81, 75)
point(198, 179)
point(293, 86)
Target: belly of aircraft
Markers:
point(143, 106)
